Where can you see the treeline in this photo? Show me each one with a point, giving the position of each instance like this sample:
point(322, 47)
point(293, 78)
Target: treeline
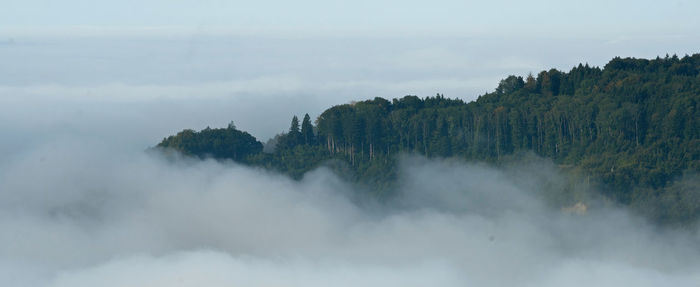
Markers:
point(631, 128)
point(228, 143)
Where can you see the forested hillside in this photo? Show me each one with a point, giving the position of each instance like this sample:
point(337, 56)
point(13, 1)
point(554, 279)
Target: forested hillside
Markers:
point(631, 129)
point(228, 143)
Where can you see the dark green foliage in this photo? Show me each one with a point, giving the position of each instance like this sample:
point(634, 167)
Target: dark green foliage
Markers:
point(294, 128)
point(227, 143)
point(291, 139)
point(307, 131)
point(631, 129)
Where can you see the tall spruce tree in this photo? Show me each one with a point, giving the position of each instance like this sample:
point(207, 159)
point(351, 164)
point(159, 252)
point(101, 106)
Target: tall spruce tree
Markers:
point(307, 130)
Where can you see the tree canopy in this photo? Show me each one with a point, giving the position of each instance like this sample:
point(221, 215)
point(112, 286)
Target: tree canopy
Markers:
point(228, 143)
point(631, 128)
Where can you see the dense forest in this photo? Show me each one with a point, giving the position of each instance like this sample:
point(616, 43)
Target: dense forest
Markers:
point(630, 130)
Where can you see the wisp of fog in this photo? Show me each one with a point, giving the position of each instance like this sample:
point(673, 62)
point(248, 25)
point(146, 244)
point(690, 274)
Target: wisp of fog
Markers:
point(79, 213)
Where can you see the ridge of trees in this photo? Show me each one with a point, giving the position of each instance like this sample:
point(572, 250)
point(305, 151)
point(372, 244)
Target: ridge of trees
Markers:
point(223, 143)
point(631, 127)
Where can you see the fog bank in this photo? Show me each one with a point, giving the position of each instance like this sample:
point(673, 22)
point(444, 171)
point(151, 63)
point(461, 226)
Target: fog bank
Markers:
point(77, 213)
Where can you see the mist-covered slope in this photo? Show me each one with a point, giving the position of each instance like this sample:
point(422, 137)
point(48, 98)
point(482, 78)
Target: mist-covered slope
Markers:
point(630, 130)
point(100, 216)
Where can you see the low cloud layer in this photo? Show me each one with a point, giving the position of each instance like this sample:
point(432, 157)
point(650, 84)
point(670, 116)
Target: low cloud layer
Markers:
point(83, 214)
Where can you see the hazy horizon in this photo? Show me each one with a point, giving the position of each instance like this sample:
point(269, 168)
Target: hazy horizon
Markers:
point(304, 57)
point(181, 82)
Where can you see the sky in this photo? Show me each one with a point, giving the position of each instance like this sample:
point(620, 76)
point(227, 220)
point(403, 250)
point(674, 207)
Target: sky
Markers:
point(192, 64)
point(590, 18)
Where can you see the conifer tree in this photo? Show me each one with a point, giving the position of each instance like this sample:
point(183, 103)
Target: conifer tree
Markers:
point(307, 130)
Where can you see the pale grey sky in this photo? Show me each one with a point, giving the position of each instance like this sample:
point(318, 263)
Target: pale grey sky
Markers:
point(152, 68)
point(538, 17)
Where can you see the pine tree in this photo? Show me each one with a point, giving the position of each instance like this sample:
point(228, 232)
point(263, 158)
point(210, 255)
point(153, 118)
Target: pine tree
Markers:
point(307, 130)
point(294, 128)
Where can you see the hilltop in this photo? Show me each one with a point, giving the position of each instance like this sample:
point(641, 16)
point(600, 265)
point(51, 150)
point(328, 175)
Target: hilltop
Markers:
point(630, 129)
